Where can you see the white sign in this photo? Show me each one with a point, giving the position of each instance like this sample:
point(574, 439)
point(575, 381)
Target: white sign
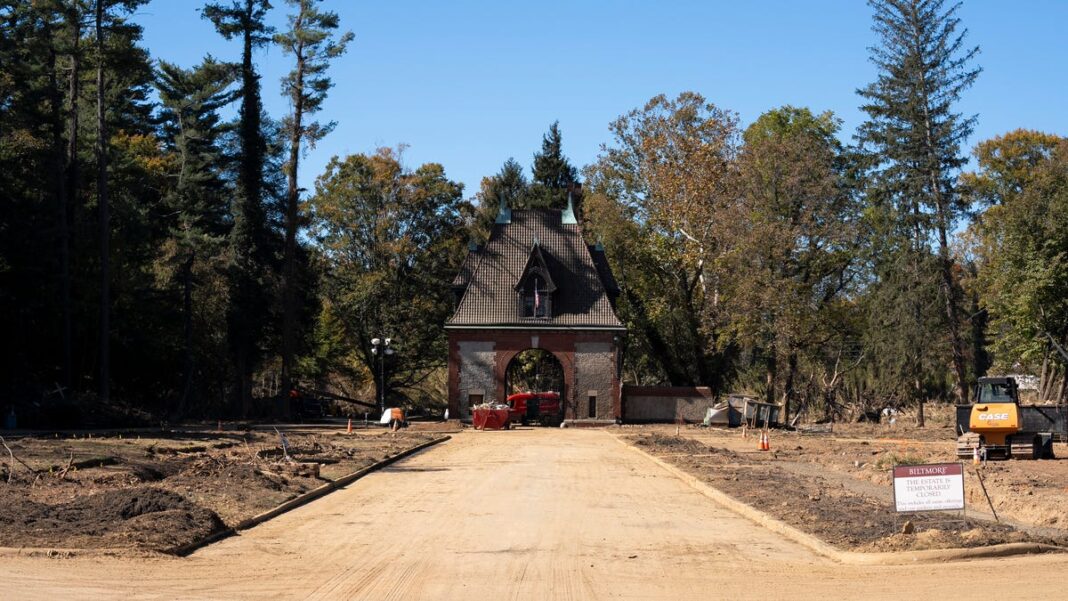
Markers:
point(932, 487)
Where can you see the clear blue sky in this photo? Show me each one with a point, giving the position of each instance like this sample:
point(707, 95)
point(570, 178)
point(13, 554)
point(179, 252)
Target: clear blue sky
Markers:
point(470, 83)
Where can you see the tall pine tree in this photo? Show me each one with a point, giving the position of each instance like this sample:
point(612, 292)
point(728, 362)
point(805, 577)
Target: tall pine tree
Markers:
point(913, 136)
point(107, 14)
point(249, 247)
point(309, 41)
point(197, 199)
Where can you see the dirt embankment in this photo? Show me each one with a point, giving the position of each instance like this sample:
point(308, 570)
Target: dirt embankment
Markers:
point(160, 493)
point(805, 483)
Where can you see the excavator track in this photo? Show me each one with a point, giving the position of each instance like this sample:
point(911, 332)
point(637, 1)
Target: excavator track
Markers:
point(966, 444)
point(1023, 447)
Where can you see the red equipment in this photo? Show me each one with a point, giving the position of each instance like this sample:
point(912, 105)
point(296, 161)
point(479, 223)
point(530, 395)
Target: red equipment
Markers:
point(527, 407)
point(490, 419)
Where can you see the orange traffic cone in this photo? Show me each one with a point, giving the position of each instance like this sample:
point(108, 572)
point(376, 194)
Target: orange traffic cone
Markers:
point(760, 442)
point(349, 430)
point(767, 441)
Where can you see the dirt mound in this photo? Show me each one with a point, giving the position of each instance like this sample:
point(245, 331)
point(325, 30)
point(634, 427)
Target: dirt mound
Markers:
point(144, 517)
point(132, 490)
point(661, 443)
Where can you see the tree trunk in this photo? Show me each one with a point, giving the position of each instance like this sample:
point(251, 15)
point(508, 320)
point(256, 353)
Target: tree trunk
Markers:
point(942, 220)
point(105, 217)
point(788, 386)
point(248, 241)
point(289, 294)
point(933, 172)
point(60, 192)
point(920, 421)
point(1043, 379)
point(980, 357)
point(949, 291)
point(187, 327)
point(769, 376)
point(72, 175)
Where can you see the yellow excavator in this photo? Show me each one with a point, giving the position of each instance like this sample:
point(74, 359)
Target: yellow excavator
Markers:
point(995, 425)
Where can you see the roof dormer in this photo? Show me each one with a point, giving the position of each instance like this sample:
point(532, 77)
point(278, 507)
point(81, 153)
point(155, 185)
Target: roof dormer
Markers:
point(535, 287)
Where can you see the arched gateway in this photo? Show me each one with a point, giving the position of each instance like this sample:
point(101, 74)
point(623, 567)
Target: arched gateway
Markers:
point(536, 285)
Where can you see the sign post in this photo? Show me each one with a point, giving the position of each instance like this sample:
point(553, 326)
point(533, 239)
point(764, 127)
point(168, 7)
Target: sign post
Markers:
point(930, 487)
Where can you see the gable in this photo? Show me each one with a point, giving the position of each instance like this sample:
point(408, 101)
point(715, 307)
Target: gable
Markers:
point(535, 241)
point(536, 268)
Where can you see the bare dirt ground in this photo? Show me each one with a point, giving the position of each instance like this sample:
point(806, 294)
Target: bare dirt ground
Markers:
point(158, 492)
point(837, 485)
point(527, 514)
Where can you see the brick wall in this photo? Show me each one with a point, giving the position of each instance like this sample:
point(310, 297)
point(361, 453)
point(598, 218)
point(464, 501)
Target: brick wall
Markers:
point(666, 404)
point(595, 365)
point(477, 358)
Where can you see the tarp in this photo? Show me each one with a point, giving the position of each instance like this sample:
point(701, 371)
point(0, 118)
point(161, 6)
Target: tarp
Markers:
point(720, 415)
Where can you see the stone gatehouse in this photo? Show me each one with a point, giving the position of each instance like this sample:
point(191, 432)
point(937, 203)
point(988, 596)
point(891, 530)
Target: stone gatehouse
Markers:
point(536, 284)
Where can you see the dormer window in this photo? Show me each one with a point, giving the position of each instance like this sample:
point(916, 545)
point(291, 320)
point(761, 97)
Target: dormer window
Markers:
point(534, 289)
point(536, 298)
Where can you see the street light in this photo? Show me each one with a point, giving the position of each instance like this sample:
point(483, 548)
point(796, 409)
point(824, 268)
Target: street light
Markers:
point(383, 345)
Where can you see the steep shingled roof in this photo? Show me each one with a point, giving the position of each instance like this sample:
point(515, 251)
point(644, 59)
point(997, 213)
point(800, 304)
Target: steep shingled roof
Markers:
point(581, 300)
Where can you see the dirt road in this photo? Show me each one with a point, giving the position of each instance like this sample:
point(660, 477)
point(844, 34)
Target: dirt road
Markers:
point(534, 514)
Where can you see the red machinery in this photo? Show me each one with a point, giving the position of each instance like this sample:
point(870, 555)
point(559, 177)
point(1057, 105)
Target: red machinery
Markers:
point(535, 407)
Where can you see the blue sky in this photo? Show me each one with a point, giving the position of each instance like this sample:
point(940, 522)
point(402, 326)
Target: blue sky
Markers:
point(470, 83)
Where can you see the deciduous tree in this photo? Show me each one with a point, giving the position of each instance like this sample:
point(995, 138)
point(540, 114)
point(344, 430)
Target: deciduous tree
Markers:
point(391, 240)
point(795, 232)
point(656, 198)
point(1022, 183)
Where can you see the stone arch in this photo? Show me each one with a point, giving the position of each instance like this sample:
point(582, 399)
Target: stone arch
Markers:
point(535, 370)
point(564, 358)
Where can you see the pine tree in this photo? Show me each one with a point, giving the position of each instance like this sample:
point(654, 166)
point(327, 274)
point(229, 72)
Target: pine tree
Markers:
point(309, 41)
point(510, 185)
point(28, 132)
point(197, 200)
point(913, 137)
point(103, 209)
point(249, 247)
point(554, 176)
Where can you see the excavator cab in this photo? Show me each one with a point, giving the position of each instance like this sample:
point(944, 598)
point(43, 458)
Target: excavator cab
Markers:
point(997, 391)
point(995, 414)
point(995, 428)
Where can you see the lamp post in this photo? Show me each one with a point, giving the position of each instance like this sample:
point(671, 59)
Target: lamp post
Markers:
point(380, 347)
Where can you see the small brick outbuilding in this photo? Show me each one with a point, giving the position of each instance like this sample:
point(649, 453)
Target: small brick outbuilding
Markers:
point(536, 284)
